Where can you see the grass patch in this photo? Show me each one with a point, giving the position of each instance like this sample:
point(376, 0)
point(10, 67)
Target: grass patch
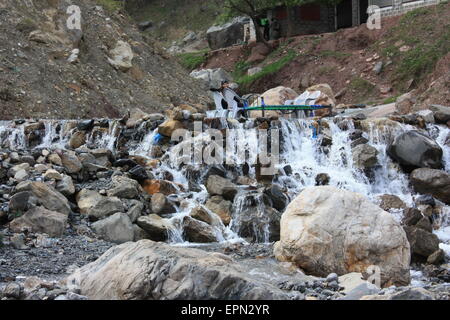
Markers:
point(362, 87)
point(270, 69)
point(111, 5)
point(333, 54)
point(192, 60)
point(390, 99)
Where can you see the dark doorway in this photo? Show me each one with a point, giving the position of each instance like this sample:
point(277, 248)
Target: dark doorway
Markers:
point(363, 15)
point(344, 14)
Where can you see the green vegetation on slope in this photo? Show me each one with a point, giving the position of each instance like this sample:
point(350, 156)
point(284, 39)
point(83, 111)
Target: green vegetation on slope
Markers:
point(192, 60)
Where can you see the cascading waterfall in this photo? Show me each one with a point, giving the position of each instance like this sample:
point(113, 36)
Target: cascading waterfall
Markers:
point(301, 150)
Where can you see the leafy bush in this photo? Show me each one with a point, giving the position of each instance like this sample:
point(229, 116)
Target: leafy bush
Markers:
point(192, 60)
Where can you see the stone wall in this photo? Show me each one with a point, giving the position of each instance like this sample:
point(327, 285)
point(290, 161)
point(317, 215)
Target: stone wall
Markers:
point(397, 7)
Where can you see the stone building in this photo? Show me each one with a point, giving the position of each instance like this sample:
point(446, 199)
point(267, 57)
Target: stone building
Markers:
point(316, 18)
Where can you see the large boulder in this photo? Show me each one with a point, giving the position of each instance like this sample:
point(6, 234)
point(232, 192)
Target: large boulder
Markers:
point(416, 150)
point(275, 96)
point(46, 196)
point(148, 270)
point(213, 78)
point(432, 182)
point(365, 156)
point(41, 220)
point(228, 34)
point(326, 230)
point(116, 228)
point(168, 127)
point(121, 56)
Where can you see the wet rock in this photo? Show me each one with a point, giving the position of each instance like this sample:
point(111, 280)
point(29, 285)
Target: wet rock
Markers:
point(66, 186)
point(414, 149)
point(405, 103)
point(358, 142)
point(198, 231)
point(259, 225)
point(277, 198)
point(41, 220)
point(138, 173)
point(199, 213)
point(105, 207)
point(365, 156)
point(362, 233)
point(221, 207)
point(156, 227)
point(217, 185)
point(127, 272)
point(437, 257)
point(160, 186)
point(71, 162)
point(441, 113)
point(87, 199)
point(168, 128)
point(322, 179)
point(423, 243)
point(116, 228)
point(77, 140)
point(389, 201)
point(160, 204)
point(432, 182)
point(411, 216)
point(425, 200)
point(124, 188)
point(86, 125)
point(46, 196)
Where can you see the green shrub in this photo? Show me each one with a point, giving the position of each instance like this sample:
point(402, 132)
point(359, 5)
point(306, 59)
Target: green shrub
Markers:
point(192, 60)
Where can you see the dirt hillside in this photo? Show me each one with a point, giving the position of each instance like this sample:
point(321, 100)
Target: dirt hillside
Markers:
point(37, 80)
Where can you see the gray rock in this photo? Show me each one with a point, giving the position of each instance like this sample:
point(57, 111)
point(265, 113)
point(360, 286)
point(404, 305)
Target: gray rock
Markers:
point(423, 243)
point(12, 290)
point(116, 228)
point(46, 196)
point(221, 207)
point(66, 186)
point(432, 182)
point(147, 270)
point(41, 220)
point(71, 162)
point(361, 290)
point(18, 241)
point(415, 149)
point(198, 231)
point(160, 204)
point(228, 34)
point(364, 156)
point(106, 207)
point(437, 257)
point(217, 185)
point(124, 188)
point(413, 294)
point(135, 211)
point(156, 227)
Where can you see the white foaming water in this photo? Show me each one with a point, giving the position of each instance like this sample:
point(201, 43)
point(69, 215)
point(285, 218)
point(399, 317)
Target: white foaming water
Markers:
point(12, 137)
